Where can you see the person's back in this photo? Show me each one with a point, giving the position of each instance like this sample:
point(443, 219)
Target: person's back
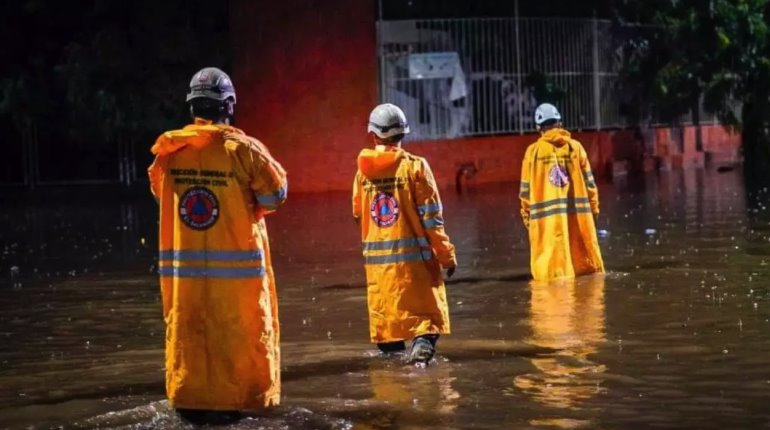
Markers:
point(559, 200)
point(214, 184)
point(396, 202)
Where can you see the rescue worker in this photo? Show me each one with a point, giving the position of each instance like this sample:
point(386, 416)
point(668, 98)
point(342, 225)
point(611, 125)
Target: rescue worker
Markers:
point(397, 205)
point(214, 185)
point(559, 201)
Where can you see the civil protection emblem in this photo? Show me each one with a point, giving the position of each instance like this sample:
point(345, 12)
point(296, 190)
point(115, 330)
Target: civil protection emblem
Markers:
point(199, 208)
point(558, 176)
point(384, 209)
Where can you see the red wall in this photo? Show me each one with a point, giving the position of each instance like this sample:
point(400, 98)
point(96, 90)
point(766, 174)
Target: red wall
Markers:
point(498, 159)
point(722, 143)
point(306, 76)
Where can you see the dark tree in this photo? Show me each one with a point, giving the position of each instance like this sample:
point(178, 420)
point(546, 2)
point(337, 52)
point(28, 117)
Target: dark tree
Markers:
point(84, 80)
point(679, 52)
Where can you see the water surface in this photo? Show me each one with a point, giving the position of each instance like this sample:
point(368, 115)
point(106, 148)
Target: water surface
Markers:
point(677, 335)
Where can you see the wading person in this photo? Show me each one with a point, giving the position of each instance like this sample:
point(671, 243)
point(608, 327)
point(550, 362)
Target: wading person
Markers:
point(559, 201)
point(397, 205)
point(214, 185)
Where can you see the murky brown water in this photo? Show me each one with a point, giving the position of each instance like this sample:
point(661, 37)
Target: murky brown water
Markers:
point(676, 336)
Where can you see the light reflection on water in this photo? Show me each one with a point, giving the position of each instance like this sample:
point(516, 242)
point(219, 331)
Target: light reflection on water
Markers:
point(567, 316)
point(676, 335)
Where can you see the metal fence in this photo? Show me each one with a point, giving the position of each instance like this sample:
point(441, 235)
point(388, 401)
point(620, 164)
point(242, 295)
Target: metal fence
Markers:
point(470, 77)
point(35, 158)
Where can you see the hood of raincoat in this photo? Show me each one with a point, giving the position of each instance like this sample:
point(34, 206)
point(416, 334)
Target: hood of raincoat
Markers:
point(197, 135)
point(383, 158)
point(557, 136)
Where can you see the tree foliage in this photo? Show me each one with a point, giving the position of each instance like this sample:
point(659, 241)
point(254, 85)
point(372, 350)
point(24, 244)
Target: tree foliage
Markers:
point(544, 88)
point(679, 52)
point(91, 72)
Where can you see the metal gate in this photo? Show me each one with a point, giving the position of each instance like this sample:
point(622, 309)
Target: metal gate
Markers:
point(471, 77)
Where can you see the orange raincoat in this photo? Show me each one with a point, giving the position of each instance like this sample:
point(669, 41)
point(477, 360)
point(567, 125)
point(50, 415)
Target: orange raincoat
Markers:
point(396, 201)
point(558, 202)
point(214, 184)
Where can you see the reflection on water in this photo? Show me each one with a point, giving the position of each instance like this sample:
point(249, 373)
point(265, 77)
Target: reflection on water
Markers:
point(567, 316)
point(676, 335)
point(427, 392)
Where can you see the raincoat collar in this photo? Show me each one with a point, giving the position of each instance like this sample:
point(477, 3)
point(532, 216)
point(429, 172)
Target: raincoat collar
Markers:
point(198, 135)
point(373, 162)
point(557, 136)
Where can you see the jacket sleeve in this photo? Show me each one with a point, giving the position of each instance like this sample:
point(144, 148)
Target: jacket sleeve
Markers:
point(357, 197)
point(431, 214)
point(524, 190)
point(157, 171)
point(588, 176)
point(265, 176)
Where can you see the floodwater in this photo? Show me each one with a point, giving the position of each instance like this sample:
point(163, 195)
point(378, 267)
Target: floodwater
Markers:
point(676, 335)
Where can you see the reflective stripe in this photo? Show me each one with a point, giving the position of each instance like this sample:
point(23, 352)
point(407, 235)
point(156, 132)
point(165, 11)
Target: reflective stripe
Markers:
point(212, 272)
point(567, 200)
point(524, 184)
point(271, 201)
point(524, 195)
point(188, 255)
point(395, 244)
point(589, 177)
point(423, 255)
point(432, 222)
point(556, 211)
point(429, 209)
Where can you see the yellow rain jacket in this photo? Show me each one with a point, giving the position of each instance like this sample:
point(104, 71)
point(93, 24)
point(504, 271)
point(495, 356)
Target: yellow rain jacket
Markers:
point(214, 184)
point(558, 202)
point(396, 202)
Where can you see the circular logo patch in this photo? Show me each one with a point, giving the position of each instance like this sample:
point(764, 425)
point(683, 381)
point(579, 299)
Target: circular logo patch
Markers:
point(558, 176)
point(384, 209)
point(199, 208)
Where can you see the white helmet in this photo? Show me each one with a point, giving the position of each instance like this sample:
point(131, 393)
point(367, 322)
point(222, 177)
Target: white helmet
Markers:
point(546, 112)
point(387, 120)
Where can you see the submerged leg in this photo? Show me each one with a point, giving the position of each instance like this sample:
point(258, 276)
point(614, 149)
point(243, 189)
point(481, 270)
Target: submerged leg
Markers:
point(392, 347)
point(202, 417)
point(423, 348)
